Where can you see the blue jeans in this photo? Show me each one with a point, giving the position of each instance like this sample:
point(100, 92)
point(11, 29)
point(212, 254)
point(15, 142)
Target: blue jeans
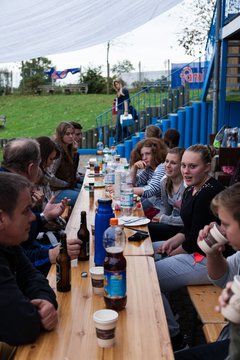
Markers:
point(70, 194)
point(175, 272)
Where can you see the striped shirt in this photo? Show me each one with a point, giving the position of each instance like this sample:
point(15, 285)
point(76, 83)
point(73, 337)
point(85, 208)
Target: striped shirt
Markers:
point(150, 179)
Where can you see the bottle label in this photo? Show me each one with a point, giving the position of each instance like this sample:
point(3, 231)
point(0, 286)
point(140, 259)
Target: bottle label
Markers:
point(106, 334)
point(126, 200)
point(109, 178)
point(115, 284)
point(58, 273)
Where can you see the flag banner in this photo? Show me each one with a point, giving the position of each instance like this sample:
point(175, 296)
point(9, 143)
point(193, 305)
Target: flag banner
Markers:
point(54, 74)
point(193, 74)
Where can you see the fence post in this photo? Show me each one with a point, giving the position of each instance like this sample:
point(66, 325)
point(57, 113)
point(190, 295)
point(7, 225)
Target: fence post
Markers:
point(189, 126)
point(181, 126)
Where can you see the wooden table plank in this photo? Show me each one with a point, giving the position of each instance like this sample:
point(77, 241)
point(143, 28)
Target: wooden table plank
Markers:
point(88, 203)
point(142, 331)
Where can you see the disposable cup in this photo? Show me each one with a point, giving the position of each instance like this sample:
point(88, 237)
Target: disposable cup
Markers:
point(97, 276)
point(105, 322)
point(232, 311)
point(213, 240)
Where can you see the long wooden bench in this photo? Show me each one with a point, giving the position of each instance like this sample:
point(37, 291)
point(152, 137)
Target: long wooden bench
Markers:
point(204, 299)
point(212, 331)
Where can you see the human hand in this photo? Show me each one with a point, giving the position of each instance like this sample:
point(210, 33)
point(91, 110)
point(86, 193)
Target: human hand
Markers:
point(47, 312)
point(53, 253)
point(53, 210)
point(37, 197)
point(110, 189)
point(156, 219)
point(224, 297)
point(203, 234)
point(73, 248)
point(140, 164)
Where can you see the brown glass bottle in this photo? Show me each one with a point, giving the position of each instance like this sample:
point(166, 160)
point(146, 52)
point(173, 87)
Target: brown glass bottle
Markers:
point(63, 266)
point(83, 235)
point(115, 266)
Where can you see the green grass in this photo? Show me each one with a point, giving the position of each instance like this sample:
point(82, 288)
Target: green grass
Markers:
point(31, 116)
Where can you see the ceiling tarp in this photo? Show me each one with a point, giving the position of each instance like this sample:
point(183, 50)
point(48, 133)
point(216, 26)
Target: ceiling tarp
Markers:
point(32, 28)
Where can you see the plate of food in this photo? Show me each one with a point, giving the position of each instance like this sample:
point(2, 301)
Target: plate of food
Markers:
point(133, 220)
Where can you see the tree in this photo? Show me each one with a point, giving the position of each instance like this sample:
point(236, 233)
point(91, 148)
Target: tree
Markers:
point(121, 67)
point(194, 35)
point(96, 82)
point(33, 73)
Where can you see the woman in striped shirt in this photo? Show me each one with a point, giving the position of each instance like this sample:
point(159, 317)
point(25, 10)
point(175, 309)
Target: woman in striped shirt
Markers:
point(147, 169)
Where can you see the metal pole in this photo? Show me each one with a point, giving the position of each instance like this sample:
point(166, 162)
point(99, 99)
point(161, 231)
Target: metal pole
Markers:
point(216, 75)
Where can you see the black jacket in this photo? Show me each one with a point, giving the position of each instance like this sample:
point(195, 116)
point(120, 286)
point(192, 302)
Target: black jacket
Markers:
point(20, 282)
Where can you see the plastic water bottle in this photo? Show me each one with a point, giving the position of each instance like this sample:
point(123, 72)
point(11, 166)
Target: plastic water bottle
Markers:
point(99, 153)
point(126, 193)
point(102, 221)
point(117, 186)
point(113, 151)
point(115, 266)
point(105, 158)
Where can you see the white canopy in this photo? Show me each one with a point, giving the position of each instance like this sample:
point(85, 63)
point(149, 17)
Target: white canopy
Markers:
point(33, 28)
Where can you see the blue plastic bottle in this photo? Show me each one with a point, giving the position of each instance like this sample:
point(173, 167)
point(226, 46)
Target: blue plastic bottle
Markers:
point(102, 222)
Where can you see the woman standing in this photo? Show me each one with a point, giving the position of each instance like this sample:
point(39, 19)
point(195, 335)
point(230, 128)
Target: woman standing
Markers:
point(63, 167)
point(122, 105)
point(168, 222)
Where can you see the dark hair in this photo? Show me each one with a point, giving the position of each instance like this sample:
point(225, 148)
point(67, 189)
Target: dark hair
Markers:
point(10, 187)
point(229, 199)
point(178, 151)
point(47, 146)
point(159, 151)
point(203, 150)
point(76, 125)
point(19, 153)
point(153, 131)
point(171, 138)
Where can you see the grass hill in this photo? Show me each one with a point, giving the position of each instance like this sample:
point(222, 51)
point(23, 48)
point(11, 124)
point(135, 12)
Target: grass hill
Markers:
point(31, 116)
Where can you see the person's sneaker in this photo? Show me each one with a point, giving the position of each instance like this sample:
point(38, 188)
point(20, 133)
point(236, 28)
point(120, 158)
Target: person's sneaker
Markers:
point(178, 342)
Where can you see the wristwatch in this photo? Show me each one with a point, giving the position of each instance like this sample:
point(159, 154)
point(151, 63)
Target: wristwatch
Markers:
point(44, 221)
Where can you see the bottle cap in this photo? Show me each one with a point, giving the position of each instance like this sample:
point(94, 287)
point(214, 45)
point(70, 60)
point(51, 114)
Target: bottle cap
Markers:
point(114, 221)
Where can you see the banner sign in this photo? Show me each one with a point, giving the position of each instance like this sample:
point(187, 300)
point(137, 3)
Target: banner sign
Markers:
point(54, 74)
point(193, 74)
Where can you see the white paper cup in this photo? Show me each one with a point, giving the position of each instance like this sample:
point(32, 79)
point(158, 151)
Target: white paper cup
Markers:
point(97, 276)
point(232, 311)
point(213, 240)
point(105, 322)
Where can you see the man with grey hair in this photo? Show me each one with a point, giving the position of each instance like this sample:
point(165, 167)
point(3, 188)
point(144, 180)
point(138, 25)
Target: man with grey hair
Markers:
point(27, 302)
point(22, 156)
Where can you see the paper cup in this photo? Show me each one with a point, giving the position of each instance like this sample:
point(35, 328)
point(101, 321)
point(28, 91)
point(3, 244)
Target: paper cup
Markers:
point(97, 276)
point(105, 322)
point(232, 311)
point(213, 240)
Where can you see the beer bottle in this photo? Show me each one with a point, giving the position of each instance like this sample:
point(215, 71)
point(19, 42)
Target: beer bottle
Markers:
point(83, 235)
point(115, 289)
point(63, 266)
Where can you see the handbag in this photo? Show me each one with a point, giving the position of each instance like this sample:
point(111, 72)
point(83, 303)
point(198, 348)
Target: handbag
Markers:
point(126, 120)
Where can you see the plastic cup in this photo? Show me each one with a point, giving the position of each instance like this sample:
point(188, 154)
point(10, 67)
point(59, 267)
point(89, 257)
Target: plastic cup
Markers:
point(97, 276)
point(105, 322)
point(213, 240)
point(96, 169)
point(232, 310)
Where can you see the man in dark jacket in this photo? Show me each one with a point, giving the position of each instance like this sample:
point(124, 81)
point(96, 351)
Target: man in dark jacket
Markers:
point(27, 302)
point(22, 156)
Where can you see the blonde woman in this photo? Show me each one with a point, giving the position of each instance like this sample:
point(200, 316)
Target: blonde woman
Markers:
point(122, 105)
